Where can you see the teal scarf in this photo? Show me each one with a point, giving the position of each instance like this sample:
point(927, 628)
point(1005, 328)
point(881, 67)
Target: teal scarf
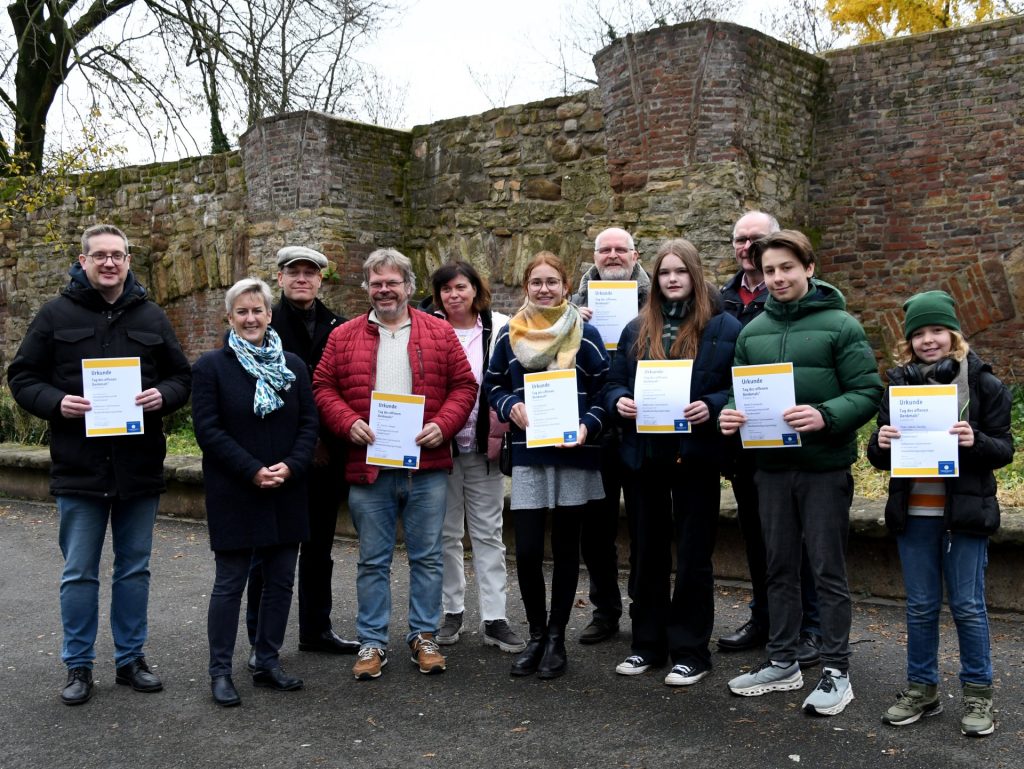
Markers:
point(266, 365)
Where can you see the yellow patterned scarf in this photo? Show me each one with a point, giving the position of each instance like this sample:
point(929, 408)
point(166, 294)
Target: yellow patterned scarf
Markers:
point(546, 338)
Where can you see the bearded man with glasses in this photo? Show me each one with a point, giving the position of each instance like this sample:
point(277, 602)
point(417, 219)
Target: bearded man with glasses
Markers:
point(103, 312)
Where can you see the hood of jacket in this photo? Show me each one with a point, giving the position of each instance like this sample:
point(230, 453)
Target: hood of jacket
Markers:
point(820, 296)
point(81, 291)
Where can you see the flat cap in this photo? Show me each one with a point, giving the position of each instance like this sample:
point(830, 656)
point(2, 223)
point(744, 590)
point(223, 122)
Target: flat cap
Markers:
point(291, 254)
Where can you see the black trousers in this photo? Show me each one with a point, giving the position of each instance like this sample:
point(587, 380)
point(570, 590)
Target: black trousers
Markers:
point(327, 488)
point(675, 504)
point(600, 531)
point(275, 597)
point(565, 552)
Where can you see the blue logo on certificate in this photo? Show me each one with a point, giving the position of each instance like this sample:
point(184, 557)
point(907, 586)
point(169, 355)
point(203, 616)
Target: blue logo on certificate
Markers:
point(789, 439)
point(133, 427)
point(947, 468)
point(680, 425)
point(409, 461)
point(569, 436)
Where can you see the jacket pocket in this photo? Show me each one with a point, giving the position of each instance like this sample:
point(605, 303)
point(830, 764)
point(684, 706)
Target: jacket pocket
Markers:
point(147, 338)
point(73, 335)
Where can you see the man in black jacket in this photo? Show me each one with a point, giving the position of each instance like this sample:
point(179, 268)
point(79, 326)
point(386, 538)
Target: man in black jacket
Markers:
point(303, 322)
point(102, 313)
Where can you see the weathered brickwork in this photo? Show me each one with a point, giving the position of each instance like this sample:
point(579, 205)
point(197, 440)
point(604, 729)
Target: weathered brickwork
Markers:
point(904, 161)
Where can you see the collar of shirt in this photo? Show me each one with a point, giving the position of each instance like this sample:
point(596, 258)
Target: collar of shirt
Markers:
point(374, 319)
point(745, 282)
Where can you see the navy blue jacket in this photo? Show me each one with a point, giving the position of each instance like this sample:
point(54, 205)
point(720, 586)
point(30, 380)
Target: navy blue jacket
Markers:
point(711, 382)
point(236, 443)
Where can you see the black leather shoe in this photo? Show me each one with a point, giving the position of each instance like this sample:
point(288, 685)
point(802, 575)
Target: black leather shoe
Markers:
point(328, 642)
point(748, 636)
point(78, 689)
point(554, 663)
point(529, 658)
point(598, 630)
point(224, 692)
point(276, 678)
point(808, 652)
point(137, 675)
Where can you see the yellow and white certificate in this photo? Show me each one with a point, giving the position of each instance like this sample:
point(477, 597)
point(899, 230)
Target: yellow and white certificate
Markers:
point(110, 385)
point(552, 408)
point(614, 305)
point(764, 393)
point(924, 414)
point(396, 420)
point(662, 393)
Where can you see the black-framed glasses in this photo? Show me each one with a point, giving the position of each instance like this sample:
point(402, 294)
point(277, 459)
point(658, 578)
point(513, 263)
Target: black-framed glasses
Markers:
point(101, 257)
point(742, 240)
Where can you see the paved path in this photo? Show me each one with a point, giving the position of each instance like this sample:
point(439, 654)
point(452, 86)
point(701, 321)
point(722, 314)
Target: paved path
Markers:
point(474, 715)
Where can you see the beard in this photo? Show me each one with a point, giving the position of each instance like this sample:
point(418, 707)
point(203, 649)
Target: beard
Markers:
point(616, 273)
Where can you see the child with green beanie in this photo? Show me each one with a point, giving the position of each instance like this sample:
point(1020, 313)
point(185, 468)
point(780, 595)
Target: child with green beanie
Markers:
point(942, 526)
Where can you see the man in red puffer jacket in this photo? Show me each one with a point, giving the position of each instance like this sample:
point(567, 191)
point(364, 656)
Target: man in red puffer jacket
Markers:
point(396, 350)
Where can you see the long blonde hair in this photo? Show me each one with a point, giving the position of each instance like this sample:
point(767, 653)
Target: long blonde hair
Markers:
point(652, 323)
point(958, 349)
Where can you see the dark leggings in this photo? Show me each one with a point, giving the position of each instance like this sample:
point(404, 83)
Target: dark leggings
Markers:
point(565, 552)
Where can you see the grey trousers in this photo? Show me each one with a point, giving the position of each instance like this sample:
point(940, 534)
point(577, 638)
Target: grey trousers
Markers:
point(797, 507)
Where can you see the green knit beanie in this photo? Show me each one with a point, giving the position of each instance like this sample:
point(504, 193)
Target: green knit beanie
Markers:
point(931, 308)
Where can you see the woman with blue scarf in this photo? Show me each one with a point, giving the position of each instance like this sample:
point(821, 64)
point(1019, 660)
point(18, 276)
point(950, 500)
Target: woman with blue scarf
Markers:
point(256, 422)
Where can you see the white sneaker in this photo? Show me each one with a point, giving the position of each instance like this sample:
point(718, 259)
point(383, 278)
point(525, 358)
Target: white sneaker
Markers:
point(832, 694)
point(685, 675)
point(770, 677)
point(633, 666)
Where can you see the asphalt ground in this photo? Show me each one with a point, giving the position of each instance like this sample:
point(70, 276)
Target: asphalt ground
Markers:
point(474, 715)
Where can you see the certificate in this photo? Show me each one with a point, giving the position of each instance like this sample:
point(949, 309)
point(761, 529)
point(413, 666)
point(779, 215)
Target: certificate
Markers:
point(552, 408)
point(923, 415)
point(662, 392)
point(764, 393)
point(395, 420)
point(110, 385)
point(614, 304)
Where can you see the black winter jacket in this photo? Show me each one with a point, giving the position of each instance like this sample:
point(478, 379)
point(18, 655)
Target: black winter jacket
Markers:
point(710, 382)
point(79, 324)
point(744, 313)
point(971, 505)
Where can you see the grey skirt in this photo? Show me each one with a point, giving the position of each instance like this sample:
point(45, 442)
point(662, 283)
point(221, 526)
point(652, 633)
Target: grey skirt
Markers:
point(537, 486)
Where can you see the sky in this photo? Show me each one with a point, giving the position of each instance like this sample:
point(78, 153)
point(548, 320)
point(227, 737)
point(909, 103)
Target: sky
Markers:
point(436, 47)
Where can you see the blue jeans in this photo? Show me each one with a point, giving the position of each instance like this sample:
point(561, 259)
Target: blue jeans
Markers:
point(418, 498)
point(928, 553)
point(83, 527)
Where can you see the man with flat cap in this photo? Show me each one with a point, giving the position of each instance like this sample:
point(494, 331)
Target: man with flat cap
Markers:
point(303, 322)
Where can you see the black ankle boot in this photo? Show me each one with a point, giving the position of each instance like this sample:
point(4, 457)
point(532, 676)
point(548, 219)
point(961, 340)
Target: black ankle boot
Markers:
point(554, 663)
point(526, 663)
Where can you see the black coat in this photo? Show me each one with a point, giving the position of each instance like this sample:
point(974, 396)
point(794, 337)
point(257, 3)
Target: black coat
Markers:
point(236, 443)
point(711, 381)
point(744, 313)
point(79, 324)
point(295, 337)
point(971, 505)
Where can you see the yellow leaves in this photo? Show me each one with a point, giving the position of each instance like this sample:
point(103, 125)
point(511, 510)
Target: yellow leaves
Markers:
point(873, 20)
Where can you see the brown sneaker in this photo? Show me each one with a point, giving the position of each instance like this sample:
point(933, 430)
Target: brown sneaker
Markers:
point(371, 661)
point(426, 654)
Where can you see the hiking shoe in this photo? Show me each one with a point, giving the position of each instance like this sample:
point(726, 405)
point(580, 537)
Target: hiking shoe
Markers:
point(915, 701)
point(808, 650)
point(832, 694)
point(769, 677)
point(977, 705)
point(633, 665)
point(450, 629)
point(685, 675)
point(426, 653)
point(370, 663)
point(498, 633)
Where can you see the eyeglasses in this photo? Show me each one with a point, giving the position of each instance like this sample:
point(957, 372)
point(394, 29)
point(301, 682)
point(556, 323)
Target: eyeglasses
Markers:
point(620, 250)
point(101, 257)
point(537, 284)
point(389, 285)
point(742, 240)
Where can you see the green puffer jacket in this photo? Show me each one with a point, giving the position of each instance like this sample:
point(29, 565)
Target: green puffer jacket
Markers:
point(834, 371)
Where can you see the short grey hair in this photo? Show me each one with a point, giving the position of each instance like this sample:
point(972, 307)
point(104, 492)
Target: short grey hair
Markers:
point(102, 229)
point(248, 286)
point(629, 238)
point(383, 258)
point(773, 223)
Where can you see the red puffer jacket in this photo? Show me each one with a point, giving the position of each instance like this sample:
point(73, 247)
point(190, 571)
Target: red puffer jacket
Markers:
point(347, 374)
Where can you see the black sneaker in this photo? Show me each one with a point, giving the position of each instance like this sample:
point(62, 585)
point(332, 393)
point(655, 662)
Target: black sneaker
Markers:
point(450, 629)
point(498, 633)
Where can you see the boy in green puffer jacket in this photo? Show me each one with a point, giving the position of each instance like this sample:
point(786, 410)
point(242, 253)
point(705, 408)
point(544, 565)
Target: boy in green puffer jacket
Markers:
point(805, 492)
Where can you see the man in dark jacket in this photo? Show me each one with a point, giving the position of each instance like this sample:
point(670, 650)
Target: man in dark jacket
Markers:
point(303, 322)
point(805, 491)
point(615, 258)
point(102, 313)
point(744, 297)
